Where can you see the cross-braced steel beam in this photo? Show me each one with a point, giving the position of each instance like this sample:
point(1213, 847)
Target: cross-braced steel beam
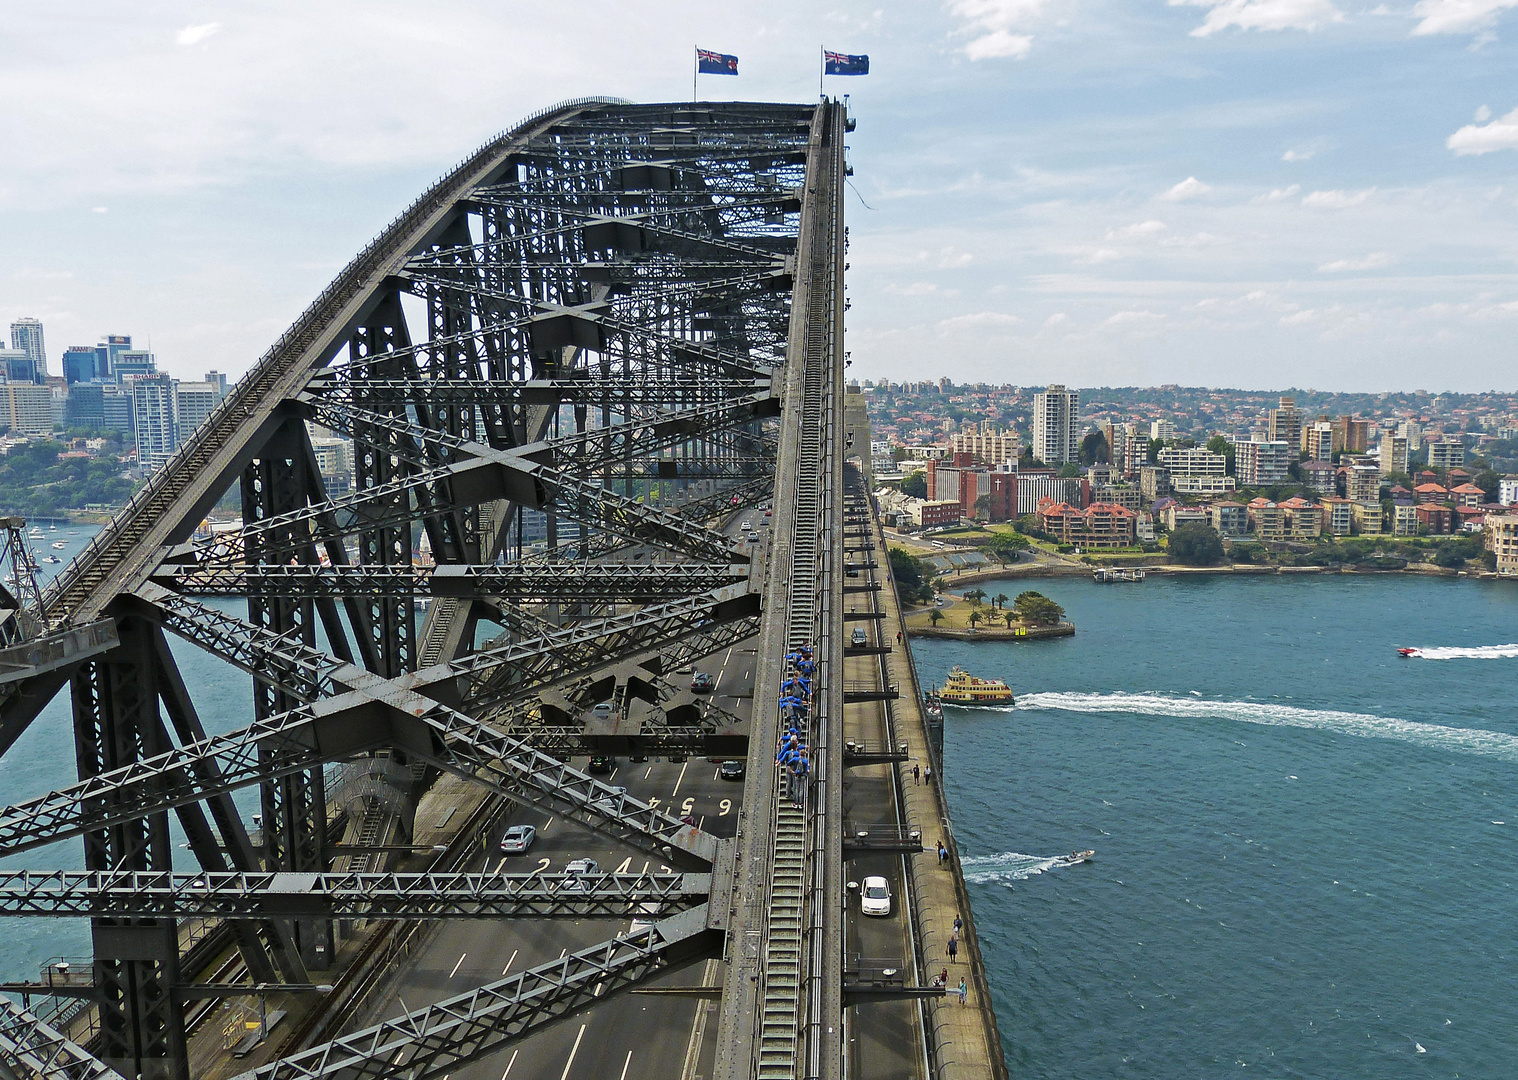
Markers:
point(33, 1050)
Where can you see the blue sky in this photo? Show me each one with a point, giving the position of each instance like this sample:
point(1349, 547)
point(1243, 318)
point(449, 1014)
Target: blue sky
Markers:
point(1255, 193)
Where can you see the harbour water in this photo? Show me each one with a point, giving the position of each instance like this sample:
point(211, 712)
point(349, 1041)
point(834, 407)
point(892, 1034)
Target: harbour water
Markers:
point(1307, 846)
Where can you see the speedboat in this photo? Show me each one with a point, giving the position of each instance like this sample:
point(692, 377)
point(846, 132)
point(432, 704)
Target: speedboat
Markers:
point(1407, 652)
point(52, 559)
point(1076, 857)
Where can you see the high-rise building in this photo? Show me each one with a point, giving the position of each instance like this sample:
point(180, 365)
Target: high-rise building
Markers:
point(153, 419)
point(27, 408)
point(1286, 423)
point(1393, 454)
point(1447, 452)
point(193, 402)
point(26, 335)
point(1055, 411)
point(214, 376)
point(81, 363)
point(1319, 440)
point(1196, 471)
point(1351, 435)
point(1163, 430)
point(116, 408)
point(132, 363)
point(1262, 462)
point(86, 405)
point(16, 366)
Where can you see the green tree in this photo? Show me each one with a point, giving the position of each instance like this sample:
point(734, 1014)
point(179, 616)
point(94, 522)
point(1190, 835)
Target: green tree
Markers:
point(911, 575)
point(1155, 446)
point(1094, 448)
point(1195, 544)
point(1010, 616)
point(1489, 481)
point(999, 599)
point(1069, 471)
point(1219, 445)
point(975, 617)
point(976, 595)
point(915, 485)
point(1006, 546)
point(983, 508)
point(1035, 607)
point(935, 616)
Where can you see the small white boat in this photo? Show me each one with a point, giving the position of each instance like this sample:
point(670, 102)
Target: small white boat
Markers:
point(1075, 857)
point(52, 559)
point(59, 545)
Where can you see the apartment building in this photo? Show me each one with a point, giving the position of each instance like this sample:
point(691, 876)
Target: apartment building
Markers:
point(1393, 454)
point(1196, 471)
point(1446, 453)
point(28, 408)
point(1286, 424)
point(1502, 539)
point(1098, 527)
point(1362, 483)
point(1338, 516)
point(1318, 441)
point(1055, 412)
point(1404, 519)
point(1303, 520)
point(1154, 482)
point(1266, 520)
point(1351, 435)
point(1230, 519)
point(1368, 518)
point(1263, 462)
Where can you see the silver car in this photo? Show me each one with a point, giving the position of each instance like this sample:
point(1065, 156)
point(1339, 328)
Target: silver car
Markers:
point(518, 839)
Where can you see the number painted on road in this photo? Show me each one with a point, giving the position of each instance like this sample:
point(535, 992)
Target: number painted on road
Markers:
point(653, 801)
point(543, 864)
point(724, 807)
point(688, 805)
point(623, 868)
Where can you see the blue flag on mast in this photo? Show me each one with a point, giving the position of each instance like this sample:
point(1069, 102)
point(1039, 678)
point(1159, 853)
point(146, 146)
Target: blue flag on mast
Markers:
point(837, 63)
point(715, 63)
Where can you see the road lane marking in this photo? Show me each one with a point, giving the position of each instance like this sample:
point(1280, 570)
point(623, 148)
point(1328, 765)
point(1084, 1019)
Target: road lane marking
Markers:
point(510, 1063)
point(500, 864)
point(647, 771)
point(625, 1064)
point(507, 968)
point(561, 956)
point(683, 766)
point(545, 825)
point(456, 967)
point(573, 1051)
point(613, 775)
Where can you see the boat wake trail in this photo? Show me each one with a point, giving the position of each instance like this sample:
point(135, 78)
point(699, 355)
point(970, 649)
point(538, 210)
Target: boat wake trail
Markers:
point(1477, 652)
point(1495, 744)
point(1007, 867)
point(977, 708)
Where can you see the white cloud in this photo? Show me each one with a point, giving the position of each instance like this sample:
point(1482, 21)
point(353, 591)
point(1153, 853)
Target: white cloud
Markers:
point(996, 26)
point(194, 35)
point(1484, 138)
point(1336, 200)
point(1483, 114)
point(1374, 261)
point(951, 259)
point(1458, 16)
point(1297, 155)
point(1133, 318)
point(1142, 230)
point(1188, 188)
point(1278, 194)
point(978, 319)
point(100, 209)
point(1263, 14)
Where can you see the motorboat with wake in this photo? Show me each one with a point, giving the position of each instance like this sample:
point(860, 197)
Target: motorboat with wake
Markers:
point(1075, 858)
point(1407, 652)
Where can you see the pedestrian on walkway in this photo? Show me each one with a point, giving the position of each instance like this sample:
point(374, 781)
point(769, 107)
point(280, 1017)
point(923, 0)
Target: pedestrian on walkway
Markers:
point(929, 773)
point(898, 637)
point(953, 947)
point(916, 774)
point(943, 853)
point(959, 925)
point(964, 991)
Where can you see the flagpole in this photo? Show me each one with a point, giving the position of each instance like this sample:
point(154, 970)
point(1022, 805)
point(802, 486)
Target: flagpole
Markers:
point(823, 53)
point(695, 51)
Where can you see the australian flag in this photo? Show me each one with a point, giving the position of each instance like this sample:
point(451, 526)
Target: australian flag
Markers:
point(837, 63)
point(715, 63)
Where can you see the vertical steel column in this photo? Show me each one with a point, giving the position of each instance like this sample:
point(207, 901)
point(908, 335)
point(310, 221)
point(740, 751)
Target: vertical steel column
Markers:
point(116, 723)
point(392, 619)
point(294, 807)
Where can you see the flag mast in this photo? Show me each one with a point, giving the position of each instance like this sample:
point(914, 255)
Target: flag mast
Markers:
point(695, 52)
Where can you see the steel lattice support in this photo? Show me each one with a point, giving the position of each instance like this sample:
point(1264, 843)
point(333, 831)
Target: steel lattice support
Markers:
point(531, 401)
point(33, 1050)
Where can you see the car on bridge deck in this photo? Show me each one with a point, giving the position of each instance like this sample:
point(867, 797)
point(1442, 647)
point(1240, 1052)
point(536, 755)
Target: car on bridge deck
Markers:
point(578, 870)
point(518, 839)
point(601, 764)
point(731, 770)
point(702, 683)
point(875, 897)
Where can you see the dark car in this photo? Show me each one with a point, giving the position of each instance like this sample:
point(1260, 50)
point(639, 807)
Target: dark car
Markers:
point(702, 683)
point(731, 770)
point(602, 764)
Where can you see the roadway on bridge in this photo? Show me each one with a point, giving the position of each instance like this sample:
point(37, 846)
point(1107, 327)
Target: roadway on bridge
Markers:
point(634, 1035)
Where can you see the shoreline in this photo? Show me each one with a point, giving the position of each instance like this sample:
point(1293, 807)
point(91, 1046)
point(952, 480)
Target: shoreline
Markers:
point(1032, 633)
point(1042, 570)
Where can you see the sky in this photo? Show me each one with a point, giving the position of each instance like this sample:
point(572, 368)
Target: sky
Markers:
point(1247, 193)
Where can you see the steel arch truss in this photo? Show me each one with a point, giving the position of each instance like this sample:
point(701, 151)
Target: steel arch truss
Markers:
point(529, 403)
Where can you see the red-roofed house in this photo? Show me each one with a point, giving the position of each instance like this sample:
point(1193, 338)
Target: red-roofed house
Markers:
point(1467, 495)
point(1436, 520)
point(1430, 493)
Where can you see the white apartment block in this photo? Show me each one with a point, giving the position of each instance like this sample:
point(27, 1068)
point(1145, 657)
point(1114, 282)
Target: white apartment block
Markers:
point(1261, 463)
point(1196, 471)
point(1318, 440)
point(992, 447)
point(1055, 411)
point(1507, 490)
point(1163, 430)
point(29, 408)
point(193, 402)
point(1362, 483)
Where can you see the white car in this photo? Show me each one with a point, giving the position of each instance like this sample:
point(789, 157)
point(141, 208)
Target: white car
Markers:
point(875, 897)
point(518, 839)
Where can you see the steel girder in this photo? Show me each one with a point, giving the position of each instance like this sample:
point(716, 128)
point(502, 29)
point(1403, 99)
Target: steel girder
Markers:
point(604, 297)
point(131, 894)
point(431, 1041)
point(31, 1049)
